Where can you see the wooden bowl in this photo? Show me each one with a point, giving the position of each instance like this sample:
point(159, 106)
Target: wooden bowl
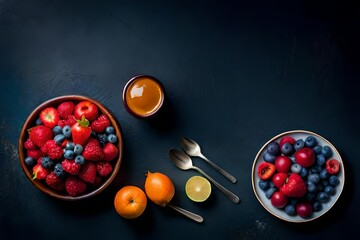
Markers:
point(40, 184)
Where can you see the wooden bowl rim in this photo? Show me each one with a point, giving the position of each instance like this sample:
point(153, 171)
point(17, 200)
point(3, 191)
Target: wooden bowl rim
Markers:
point(32, 118)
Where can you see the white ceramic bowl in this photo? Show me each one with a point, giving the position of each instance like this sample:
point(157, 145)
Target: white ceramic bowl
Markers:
point(280, 213)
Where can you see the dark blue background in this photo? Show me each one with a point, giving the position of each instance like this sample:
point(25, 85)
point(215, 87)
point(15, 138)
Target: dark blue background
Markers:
point(236, 73)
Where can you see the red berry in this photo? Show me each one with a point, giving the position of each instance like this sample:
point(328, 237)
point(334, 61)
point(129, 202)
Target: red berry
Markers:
point(55, 153)
point(287, 139)
point(279, 179)
point(103, 168)
point(283, 164)
point(294, 187)
point(305, 157)
point(55, 182)
point(70, 166)
point(279, 200)
point(332, 166)
point(65, 109)
point(39, 135)
point(110, 152)
point(39, 172)
point(266, 170)
point(49, 117)
point(35, 153)
point(93, 151)
point(87, 109)
point(88, 172)
point(29, 144)
point(81, 131)
point(304, 209)
point(100, 124)
point(74, 186)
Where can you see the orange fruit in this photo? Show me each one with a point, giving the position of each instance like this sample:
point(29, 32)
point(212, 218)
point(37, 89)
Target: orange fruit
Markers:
point(130, 202)
point(159, 188)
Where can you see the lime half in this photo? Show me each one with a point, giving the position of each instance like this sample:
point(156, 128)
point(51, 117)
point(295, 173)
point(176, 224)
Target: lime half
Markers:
point(198, 188)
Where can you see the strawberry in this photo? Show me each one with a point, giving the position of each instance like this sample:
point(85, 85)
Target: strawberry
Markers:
point(100, 123)
point(110, 152)
point(70, 166)
point(28, 144)
point(286, 139)
point(93, 151)
point(35, 153)
point(55, 182)
point(39, 172)
point(49, 117)
point(65, 109)
point(40, 134)
point(88, 172)
point(74, 186)
point(103, 168)
point(294, 186)
point(81, 131)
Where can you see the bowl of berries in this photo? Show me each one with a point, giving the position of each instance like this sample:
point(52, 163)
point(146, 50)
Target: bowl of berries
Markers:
point(70, 147)
point(298, 176)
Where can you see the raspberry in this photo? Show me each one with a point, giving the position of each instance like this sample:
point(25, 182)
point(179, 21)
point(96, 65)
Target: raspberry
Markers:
point(70, 166)
point(35, 153)
point(103, 168)
point(55, 182)
point(55, 152)
point(110, 152)
point(65, 109)
point(29, 144)
point(93, 151)
point(100, 124)
point(75, 186)
point(88, 172)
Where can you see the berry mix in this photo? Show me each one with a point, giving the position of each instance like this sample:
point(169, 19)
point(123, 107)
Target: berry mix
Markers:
point(298, 176)
point(71, 148)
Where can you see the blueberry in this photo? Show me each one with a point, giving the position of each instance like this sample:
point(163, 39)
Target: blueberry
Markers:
point(273, 148)
point(324, 174)
point(310, 197)
point(294, 201)
point(66, 131)
point(330, 190)
point(264, 184)
point(29, 161)
point(69, 154)
point(299, 144)
point(78, 149)
point(323, 197)
point(316, 169)
point(314, 178)
point(317, 149)
point(69, 146)
point(311, 187)
point(290, 210)
point(310, 141)
point(112, 138)
point(57, 130)
point(287, 149)
point(38, 121)
point(58, 170)
point(109, 130)
point(327, 152)
point(325, 183)
point(59, 139)
point(334, 180)
point(317, 206)
point(270, 192)
point(303, 172)
point(269, 157)
point(320, 159)
point(271, 184)
point(79, 159)
point(320, 188)
point(296, 168)
point(46, 162)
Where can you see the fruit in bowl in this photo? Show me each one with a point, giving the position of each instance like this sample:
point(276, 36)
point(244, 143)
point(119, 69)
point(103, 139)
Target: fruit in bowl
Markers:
point(70, 147)
point(307, 176)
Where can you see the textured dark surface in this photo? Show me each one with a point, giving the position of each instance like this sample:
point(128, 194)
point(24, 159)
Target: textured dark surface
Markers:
point(236, 73)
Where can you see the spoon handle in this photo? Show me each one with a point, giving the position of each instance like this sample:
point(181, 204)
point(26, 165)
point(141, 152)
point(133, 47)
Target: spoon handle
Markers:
point(186, 213)
point(219, 169)
point(227, 193)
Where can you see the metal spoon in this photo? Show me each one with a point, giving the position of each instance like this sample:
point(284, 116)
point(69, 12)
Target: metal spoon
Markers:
point(192, 148)
point(184, 162)
point(186, 213)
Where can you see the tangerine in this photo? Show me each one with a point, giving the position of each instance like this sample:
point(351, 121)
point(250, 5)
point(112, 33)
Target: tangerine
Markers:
point(159, 188)
point(130, 202)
